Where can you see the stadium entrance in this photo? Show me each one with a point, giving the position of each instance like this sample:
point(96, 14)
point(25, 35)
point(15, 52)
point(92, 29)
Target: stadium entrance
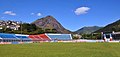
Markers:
point(0, 40)
point(111, 36)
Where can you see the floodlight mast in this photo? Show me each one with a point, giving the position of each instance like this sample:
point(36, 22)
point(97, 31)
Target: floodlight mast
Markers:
point(21, 29)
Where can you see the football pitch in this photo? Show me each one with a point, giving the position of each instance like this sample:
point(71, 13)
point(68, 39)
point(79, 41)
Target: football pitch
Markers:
point(61, 50)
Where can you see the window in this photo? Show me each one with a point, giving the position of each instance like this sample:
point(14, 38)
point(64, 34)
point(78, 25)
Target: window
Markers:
point(0, 40)
point(107, 36)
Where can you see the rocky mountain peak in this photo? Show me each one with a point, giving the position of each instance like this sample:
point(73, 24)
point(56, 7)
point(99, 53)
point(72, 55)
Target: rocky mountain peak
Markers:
point(49, 22)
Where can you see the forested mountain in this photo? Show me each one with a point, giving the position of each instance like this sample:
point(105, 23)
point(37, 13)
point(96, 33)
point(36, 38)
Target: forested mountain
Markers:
point(115, 26)
point(88, 30)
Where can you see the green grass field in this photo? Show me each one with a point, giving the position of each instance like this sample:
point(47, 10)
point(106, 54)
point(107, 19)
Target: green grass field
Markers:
point(61, 50)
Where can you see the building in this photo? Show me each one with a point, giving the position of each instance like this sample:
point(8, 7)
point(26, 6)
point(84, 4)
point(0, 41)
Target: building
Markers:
point(111, 36)
point(14, 25)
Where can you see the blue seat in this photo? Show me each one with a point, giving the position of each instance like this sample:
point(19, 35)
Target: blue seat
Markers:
point(7, 36)
point(13, 38)
point(23, 37)
point(60, 36)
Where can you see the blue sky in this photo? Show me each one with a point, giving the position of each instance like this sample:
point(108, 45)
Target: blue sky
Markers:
point(72, 14)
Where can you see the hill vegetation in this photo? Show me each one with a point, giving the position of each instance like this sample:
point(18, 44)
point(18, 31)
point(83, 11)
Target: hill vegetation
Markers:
point(88, 30)
point(27, 28)
point(115, 26)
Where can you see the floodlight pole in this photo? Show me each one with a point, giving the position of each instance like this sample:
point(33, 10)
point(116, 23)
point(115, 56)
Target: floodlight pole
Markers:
point(21, 30)
point(101, 35)
point(21, 26)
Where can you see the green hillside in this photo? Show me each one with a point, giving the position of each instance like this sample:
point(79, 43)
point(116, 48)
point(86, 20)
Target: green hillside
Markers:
point(88, 30)
point(115, 26)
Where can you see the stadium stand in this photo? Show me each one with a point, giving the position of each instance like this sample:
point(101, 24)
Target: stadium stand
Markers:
point(8, 37)
point(44, 37)
point(34, 37)
point(60, 36)
point(23, 38)
point(16, 38)
point(41, 37)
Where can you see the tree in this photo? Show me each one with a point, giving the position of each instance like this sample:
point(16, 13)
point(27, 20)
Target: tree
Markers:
point(47, 30)
point(53, 30)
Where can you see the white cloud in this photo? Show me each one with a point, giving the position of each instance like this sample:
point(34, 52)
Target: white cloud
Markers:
point(10, 13)
point(81, 10)
point(32, 13)
point(39, 14)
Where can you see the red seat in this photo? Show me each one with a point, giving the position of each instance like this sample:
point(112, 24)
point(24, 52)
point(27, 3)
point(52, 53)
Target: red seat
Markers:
point(44, 37)
point(41, 37)
point(33, 37)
